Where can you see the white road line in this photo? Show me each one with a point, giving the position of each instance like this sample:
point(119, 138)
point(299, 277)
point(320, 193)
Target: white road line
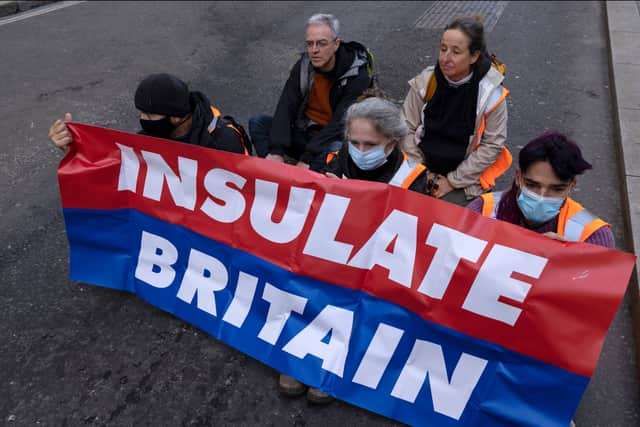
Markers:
point(38, 11)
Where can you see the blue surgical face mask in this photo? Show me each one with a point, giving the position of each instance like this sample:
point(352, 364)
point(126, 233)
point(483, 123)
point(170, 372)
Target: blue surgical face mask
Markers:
point(538, 209)
point(370, 159)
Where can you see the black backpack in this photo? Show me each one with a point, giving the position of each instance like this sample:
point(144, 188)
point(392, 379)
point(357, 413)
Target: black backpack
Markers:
point(231, 123)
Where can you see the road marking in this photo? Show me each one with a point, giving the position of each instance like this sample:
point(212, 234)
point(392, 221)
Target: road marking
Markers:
point(440, 13)
point(38, 11)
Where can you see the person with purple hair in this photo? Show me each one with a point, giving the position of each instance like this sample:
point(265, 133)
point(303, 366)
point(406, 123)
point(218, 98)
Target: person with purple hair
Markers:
point(539, 198)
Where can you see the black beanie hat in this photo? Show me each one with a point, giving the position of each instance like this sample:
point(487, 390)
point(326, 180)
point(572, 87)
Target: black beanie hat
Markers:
point(163, 94)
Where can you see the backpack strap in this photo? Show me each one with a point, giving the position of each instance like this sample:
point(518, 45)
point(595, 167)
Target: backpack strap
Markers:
point(431, 88)
point(229, 122)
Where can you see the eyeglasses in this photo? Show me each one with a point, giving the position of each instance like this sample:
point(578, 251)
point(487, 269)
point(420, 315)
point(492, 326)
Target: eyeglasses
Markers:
point(320, 43)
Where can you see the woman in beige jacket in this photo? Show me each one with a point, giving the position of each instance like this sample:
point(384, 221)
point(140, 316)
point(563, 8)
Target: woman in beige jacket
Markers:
point(457, 116)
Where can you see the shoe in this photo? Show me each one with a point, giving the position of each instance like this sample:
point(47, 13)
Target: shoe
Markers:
point(318, 397)
point(290, 387)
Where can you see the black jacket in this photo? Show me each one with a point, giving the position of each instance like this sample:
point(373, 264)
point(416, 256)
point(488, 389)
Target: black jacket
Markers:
point(349, 79)
point(342, 166)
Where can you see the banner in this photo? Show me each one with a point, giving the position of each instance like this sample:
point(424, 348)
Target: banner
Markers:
point(397, 302)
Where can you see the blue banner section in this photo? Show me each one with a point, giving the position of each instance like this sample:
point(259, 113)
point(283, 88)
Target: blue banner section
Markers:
point(397, 381)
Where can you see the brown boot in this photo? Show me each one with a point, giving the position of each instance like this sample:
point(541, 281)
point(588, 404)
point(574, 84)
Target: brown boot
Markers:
point(318, 397)
point(290, 387)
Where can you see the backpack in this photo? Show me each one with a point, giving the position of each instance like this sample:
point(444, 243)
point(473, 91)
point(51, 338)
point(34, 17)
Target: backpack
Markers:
point(495, 63)
point(373, 75)
point(231, 123)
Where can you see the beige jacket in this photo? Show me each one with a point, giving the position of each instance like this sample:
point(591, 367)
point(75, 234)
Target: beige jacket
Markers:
point(493, 106)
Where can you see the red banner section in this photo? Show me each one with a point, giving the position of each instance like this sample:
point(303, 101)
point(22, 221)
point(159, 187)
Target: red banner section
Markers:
point(550, 300)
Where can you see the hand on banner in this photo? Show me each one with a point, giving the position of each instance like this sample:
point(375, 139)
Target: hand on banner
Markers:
point(331, 175)
point(59, 133)
point(443, 188)
point(275, 157)
point(554, 236)
point(302, 165)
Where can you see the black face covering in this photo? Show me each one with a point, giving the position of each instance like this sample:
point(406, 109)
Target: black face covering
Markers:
point(159, 128)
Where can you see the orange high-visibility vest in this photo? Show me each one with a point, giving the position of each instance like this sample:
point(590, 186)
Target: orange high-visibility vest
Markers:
point(408, 171)
point(503, 162)
point(575, 223)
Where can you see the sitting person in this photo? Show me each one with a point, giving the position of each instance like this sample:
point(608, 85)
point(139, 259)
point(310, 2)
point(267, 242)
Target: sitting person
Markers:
point(374, 131)
point(169, 110)
point(539, 196)
point(307, 123)
point(373, 151)
point(457, 115)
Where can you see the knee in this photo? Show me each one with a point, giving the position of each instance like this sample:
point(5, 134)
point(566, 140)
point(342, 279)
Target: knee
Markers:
point(260, 123)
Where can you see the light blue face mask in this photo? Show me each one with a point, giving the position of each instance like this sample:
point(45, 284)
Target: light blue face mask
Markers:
point(538, 209)
point(370, 159)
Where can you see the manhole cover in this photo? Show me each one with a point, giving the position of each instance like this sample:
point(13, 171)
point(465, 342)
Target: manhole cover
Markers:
point(440, 13)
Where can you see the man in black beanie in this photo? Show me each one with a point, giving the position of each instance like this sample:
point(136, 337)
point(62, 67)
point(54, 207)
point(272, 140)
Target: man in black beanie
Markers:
point(169, 110)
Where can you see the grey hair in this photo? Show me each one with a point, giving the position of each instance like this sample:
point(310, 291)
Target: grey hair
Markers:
point(385, 117)
point(326, 19)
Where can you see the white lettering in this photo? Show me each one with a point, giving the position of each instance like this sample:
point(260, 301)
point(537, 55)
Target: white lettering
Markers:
point(182, 188)
point(449, 397)
point(129, 169)
point(494, 280)
point(378, 354)
point(322, 241)
point(452, 246)
point(204, 276)
point(216, 183)
point(399, 228)
point(281, 305)
point(155, 259)
point(334, 320)
point(294, 217)
point(240, 305)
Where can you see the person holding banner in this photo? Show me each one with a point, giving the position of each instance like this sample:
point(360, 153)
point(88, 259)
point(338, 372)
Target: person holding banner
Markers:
point(539, 196)
point(374, 151)
point(328, 77)
point(457, 115)
point(169, 110)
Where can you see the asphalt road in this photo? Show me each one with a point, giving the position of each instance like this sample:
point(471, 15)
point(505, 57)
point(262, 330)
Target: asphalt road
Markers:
point(73, 354)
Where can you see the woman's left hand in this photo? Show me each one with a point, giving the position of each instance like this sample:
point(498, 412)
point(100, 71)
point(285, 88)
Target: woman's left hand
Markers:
point(444, 187)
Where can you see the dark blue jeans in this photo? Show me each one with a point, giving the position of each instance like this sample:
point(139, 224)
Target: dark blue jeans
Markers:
point(260, 129)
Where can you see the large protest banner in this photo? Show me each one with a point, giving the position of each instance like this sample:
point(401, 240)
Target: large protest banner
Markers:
point(396, 302)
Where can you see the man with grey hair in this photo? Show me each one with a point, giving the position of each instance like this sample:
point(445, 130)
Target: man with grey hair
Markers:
point(327, 79)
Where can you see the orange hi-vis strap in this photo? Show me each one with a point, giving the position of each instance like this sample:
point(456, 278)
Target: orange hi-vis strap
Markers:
point(490, 204)
point(503, 162)
point(214, 122)
point(575, 223)
point(408, 171)
point(330, 156)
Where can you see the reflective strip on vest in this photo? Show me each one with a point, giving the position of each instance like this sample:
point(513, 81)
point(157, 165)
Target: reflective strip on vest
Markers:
point(576, 225)
point(406, 173)
point(214, 121)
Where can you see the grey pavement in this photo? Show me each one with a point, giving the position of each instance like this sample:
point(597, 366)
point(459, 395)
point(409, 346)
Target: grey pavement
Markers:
point(623, 19)
point(75, 354)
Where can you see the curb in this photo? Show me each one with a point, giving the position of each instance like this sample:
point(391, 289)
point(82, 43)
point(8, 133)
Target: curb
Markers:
point(12, 7)
point(623, 22)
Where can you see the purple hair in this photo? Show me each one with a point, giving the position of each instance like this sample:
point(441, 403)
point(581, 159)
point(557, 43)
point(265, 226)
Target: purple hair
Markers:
point(563, 155)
